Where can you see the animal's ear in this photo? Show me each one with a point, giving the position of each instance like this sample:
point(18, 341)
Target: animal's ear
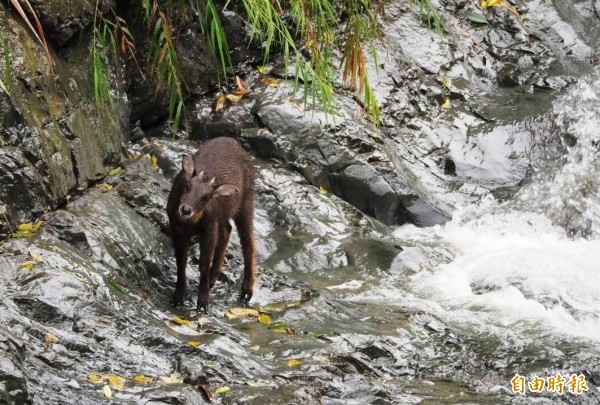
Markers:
point(187, 165)
point(225, 190)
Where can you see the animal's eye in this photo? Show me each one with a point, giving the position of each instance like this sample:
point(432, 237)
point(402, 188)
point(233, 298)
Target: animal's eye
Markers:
point(187, 187)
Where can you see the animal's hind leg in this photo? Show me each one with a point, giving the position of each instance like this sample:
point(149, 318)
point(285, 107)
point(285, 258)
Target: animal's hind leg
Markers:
point(207, 249)
point(245, 230)
point(219, 257)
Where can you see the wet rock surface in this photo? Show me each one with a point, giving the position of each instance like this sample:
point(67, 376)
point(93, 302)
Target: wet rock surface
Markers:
point(54, 122)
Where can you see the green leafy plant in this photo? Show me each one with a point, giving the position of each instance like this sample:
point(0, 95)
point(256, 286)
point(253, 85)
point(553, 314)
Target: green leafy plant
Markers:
point(316, 22)
point(212, 29)
point(427, 10)
point(3, 87)
point(163, 59)
point(110, 37)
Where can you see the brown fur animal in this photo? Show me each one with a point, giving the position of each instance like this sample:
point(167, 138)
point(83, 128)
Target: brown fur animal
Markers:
point(213, 186)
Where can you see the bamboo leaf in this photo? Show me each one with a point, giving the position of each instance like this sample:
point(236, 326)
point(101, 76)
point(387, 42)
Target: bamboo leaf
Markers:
point(476, 18)
point(3, 87)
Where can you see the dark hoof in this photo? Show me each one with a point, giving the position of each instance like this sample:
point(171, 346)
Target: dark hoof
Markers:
point(202, 306)
point(178, 298)
point(245, 297)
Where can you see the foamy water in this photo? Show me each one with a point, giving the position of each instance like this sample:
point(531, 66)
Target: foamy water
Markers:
point(515, 270)
point(512, 268)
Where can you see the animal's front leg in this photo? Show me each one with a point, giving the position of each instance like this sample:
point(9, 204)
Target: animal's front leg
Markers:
point(181, 246)
point(207, 249)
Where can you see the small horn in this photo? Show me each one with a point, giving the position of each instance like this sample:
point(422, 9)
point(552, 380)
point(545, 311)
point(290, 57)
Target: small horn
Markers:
point(211, 182)
point(201, 174)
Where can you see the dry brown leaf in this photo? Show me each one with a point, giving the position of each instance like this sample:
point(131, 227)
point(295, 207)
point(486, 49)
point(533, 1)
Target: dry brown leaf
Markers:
point(240, 83)
point(219, 103)
point(270, 81)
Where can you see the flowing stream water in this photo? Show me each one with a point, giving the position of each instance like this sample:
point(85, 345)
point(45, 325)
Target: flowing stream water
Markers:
point(521, 276)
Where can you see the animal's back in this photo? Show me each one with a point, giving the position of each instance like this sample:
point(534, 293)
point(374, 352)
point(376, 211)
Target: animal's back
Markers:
point(225, 160)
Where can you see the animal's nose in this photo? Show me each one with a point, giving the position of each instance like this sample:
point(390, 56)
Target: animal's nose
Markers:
point(185, 210)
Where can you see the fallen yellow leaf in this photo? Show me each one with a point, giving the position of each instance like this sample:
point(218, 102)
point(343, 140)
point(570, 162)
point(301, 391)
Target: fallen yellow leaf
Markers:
point(241, 312)
point(293, 362)
point(36, 256)
point(154, 162)
point(25, 227)
point(255, 347)
point(180, 321)
point(234, 97)
point(51, 338)
point(178, 379)
point(322, 190)
point(446, 104)
point(107, 392)
point(219, 103)
point(117, 382)
point(222, 390)
point(261, 69)
point(270, 81)
point(142, 379)
point(491, 3)
point(194, 344)
point(28, 265)
point(105, 186)
point(264, 319)
point(95, 378)
point(240, 83)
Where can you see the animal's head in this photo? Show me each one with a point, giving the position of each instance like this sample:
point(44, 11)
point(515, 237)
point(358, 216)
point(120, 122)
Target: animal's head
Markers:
point(198, 192)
